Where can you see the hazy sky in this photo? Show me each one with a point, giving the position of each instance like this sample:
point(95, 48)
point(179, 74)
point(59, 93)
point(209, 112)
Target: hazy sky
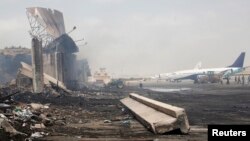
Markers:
point(143, 37)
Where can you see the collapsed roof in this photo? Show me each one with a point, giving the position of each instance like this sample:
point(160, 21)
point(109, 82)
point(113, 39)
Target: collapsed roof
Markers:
point(64, 44)
point(48, 26)
point(51, 20)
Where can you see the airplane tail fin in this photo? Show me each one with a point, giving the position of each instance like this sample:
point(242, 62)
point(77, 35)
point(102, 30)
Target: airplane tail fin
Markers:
point(239, 61)
point(197, 66)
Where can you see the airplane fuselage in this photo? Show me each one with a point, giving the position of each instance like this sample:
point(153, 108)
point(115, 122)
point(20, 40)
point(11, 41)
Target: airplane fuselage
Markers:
point(192, 74)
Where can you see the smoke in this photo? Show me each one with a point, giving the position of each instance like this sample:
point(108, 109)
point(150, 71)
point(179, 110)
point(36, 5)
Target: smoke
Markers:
point(9, 66)
point(142, 45)
point(146, 37)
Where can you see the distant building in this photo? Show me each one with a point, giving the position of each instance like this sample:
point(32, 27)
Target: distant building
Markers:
point(101, 76)
point(10, 58)
point(13, 51)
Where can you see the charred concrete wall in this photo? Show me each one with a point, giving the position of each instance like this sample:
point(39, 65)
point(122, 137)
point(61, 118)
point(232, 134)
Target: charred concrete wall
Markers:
point(59, 59)
point(49, 64)
point(60, 62)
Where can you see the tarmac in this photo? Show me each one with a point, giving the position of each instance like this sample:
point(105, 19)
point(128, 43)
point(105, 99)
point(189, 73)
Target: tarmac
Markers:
point(99, 115)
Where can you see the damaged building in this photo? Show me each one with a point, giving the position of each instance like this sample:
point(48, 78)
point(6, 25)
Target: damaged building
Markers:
point(58, 48)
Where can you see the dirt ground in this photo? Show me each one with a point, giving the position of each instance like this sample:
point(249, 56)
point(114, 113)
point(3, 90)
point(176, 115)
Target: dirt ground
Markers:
point(99, 115)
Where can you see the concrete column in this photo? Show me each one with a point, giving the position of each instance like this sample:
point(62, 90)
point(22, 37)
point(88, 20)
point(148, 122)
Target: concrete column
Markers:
point(59, 66)
point(37, 65)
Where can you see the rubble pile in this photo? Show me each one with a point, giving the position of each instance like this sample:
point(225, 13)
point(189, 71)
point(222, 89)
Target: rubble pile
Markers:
point(28, 116)
point(21, 119)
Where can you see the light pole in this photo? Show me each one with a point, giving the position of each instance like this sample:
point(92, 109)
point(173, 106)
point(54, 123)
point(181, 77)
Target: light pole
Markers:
point(79, 40)
point(71, 30)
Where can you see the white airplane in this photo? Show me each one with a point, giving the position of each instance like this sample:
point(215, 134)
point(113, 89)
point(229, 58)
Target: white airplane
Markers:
point(164, 76)
point(198, 72)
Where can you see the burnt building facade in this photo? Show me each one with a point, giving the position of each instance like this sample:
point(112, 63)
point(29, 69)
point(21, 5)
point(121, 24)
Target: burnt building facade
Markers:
point(60, 61)
point(58, 48)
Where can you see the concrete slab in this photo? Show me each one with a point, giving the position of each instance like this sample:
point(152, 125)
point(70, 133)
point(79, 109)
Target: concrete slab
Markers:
point(159, 117)
point(27, 71)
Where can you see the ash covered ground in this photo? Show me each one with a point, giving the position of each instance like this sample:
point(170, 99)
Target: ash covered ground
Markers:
point(99, 114)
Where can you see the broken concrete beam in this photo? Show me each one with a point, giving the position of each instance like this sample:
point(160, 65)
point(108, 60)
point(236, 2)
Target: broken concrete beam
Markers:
point(159, 117)
point(37, 65)
point(26, 70)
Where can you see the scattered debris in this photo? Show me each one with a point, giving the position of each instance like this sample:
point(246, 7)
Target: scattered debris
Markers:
point(107, 121)
point(38, 134)
point(126, 123)
point(22, 120)
point(9, 131)
point(37, 106)
point(38, 126)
